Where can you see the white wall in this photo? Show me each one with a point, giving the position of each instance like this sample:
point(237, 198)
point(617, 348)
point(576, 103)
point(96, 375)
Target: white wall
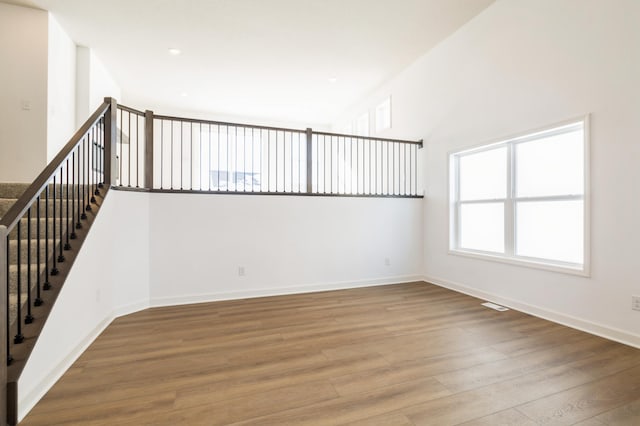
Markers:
point(61, 88)
point(286, 244)
point(93, 84)
point(23, 93)
point(110, 277)
point(157, 249)
point(520, 65)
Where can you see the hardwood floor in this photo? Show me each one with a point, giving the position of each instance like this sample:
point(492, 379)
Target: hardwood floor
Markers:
point(409, 354)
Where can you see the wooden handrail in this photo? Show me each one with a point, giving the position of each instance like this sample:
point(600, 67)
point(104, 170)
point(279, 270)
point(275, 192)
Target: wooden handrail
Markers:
point(17, 211)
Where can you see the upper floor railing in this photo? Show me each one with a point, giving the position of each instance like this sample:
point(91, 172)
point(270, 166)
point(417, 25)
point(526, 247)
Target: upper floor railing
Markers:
point(164, 153)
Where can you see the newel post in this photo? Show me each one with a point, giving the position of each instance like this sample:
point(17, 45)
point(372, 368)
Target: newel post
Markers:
point(110, 142)
point(3, 328)
point(148, 149)
point(309, 160)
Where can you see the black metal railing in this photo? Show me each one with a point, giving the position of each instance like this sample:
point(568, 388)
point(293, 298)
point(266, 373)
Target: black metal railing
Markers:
point(164, 153)
point(40, 236)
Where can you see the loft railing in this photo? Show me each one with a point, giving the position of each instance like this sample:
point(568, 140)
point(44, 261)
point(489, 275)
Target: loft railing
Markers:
point(120, 147)
point(168, 154)
point(40, 237)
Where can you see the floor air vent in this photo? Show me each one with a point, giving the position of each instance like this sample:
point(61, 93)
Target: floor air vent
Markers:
point(494, 306)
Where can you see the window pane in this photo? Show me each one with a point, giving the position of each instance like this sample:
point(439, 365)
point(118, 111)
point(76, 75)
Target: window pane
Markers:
point(553, 165)
point(482, 227)
point(484, 175)
point(550, 230)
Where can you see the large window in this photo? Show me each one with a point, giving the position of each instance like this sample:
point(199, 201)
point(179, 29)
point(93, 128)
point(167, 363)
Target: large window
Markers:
point(523, 199)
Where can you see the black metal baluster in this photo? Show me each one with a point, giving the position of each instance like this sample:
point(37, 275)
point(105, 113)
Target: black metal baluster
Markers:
point(28, 319)
point(276, 165)
point(235, 160)
point(129, 151)
point(67, 245)
point(92, 162)
point(74, 222)
point(121, 140)
point(38, 300)
point(88, 176)
point(209, 160)
point(138, 152)
point(253, 145)
point(299, 164)
point(60, 234)
point(101, 151)
point(191, 155)
point(19, 338)
point(96, 160)
point(82, 178)
point(8, 319)
point(415, 163)
point(47, 284)
point(269, 160)
point(161, 154)
point(54, 269)
point(181, 154)
point(172, 154)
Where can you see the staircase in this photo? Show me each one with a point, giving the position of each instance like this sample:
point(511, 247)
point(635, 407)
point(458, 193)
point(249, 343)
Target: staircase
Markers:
point(42, 227)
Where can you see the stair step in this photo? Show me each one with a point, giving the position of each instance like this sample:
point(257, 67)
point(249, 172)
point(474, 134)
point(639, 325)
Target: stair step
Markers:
point(13, 276)
point(12, 190)
point(13, 308)
point(6, 203)
point(24, 249)
point(15, 190)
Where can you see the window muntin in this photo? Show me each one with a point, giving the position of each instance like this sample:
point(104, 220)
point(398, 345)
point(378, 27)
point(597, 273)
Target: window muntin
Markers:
point(529, 193)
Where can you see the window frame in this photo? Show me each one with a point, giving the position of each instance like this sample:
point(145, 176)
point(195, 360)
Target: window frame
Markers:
point(511, 200)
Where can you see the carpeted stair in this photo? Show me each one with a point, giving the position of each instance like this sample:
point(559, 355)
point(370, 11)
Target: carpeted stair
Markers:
point(9, 194)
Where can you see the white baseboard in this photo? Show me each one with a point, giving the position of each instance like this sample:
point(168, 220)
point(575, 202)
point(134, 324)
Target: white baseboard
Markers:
point(581, 324)
point(280, 291)
point(27, 402)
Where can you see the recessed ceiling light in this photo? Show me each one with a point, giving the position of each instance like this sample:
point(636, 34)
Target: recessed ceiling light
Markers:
point(175, 52)
point(333, 79)
point(183, 94)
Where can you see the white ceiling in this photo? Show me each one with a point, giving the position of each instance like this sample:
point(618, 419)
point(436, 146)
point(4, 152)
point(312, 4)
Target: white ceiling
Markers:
point(257, 58)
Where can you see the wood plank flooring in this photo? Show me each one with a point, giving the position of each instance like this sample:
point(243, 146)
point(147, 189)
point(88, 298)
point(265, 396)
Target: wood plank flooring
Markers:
point(409, 354)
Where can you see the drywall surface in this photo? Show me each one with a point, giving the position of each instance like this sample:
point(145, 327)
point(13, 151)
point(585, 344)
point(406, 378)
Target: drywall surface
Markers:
point(23, 93)
point(517, 66)
point(61, 88)
point(284, 244)
point(109, 278)
point(93, 84)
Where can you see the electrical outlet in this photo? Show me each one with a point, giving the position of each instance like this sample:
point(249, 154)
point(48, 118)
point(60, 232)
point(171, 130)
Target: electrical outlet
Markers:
point(387, 261)
point(635, 303)
point(241, 271)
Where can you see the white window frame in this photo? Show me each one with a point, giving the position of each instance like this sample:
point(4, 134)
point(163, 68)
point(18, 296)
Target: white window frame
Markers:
point(509, 255)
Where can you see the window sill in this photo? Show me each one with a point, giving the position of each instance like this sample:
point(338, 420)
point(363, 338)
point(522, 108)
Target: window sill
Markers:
point(564, 269)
